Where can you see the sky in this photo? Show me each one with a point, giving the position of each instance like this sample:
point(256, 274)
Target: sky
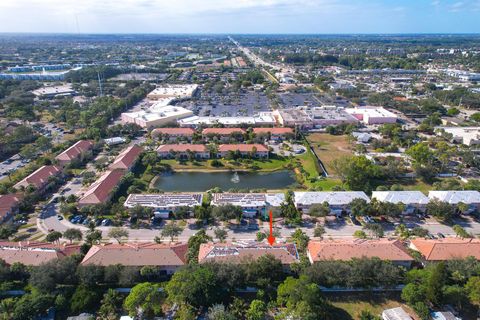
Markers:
point(240, 16)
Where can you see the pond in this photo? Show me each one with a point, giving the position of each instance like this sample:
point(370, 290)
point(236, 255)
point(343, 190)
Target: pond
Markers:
point(202, 181)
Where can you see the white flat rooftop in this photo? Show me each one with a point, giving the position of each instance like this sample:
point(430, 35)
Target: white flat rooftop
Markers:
point(405, 197)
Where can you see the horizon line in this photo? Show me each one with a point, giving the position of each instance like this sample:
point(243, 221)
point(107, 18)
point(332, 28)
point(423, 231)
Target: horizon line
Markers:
point(234, 33)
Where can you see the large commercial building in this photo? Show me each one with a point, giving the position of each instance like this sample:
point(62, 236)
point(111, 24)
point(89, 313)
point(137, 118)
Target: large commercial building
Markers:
point(372, 115)
point(54, 91)
point(466, 135)
point(159, 114)
point(260, 119)
point(314, 117)
point(162, 111)
point(177, 92)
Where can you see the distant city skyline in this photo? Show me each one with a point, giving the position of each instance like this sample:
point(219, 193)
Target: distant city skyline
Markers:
point(240, 16)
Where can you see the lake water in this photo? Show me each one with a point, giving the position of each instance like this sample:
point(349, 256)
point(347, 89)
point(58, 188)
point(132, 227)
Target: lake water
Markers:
point(202, 181)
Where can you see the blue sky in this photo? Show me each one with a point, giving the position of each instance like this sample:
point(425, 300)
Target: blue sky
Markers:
point(240, 16)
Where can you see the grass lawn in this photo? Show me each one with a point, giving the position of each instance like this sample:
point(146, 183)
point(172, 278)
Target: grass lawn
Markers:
point(349, 305)
point(415, 184)
point(329, 148)
point(309, 164)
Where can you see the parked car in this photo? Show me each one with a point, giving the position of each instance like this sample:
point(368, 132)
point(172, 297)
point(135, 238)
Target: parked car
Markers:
point(440, 235)
point(59, 217)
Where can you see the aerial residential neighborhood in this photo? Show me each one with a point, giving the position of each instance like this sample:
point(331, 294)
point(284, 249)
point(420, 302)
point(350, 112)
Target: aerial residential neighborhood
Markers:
point(250, 160)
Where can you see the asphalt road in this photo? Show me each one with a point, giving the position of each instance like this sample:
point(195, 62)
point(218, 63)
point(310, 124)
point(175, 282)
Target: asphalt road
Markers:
point(340, 229)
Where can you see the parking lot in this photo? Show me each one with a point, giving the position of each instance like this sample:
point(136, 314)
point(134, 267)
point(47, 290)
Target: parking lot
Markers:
point(244, 104)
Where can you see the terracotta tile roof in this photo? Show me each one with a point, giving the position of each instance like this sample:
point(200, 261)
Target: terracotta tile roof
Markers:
point(101, 189)
point(9, 202)
point(392, 250)
point(75, 150)
point(136, 254)
point(35, 253)
point(273, 130)
point(174, 131)
point(242, 147)
point(182, 148)
point(239, 252)
point(126, 158)
point(447, 249)
point(39, 178)
point(222, 131)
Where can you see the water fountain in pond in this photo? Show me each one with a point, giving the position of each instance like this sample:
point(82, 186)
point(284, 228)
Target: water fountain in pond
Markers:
point(235, 178)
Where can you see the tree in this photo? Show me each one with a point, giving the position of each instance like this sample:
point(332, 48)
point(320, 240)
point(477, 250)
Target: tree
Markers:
point(93, 237)
point(461, 232)
point(422, 310)
point(319, 210)
point(28, 151)
point(359, 207)
point(32, 304)
point(73, 234)
point(118, 233)
point(413, 293)
point(144, 301)
point(301, 239)
point(84, 299)
point(171, 230)
point(220, 234)
point(319, 231)
point(195, 285)
point(360, 234)
point(473, 290)
point(435, 283)
point(47, 276)
point(226, 212)
point(257, 310)
point(219, 312)
point(238, 308)
point(368, 315)
point(111, 305)
point(440, 209)
point(375, 229)
point(43, 143)
point(194, 243)
point(289, 211)
point(53, 236)
point(302, 299)
point(357, 172)
point(421, 154)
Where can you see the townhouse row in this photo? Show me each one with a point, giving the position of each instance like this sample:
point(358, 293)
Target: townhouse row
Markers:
point(220, 134)
point(201, 151)
point(254, 204)
point(99, 192)
point(169, 257)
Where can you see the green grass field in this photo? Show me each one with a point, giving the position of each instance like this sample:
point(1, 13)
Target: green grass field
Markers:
point(349, 305)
